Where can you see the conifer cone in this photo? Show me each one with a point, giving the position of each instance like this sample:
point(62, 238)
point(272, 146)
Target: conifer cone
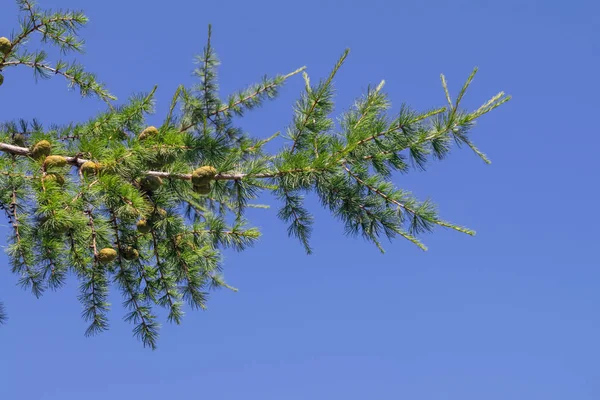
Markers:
point(106, 255)
point(5, 45)
point(151, 182)
point(143, 226)
point(148, 132)
point(41, 149)
point(130, 254)
point(55, 162)
point(202, 189)
point(203, 175)
point(59, 179)
point(89, 167)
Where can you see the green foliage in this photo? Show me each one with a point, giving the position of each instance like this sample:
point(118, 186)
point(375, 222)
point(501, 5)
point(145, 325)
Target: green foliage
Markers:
point(149, 210)
point(19, 140)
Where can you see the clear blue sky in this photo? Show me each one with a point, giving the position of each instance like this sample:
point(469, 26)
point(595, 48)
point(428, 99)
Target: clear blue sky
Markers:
point(509, 314)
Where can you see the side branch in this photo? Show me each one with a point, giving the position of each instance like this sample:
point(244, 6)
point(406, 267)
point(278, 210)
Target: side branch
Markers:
point(246, 98)
point(71, 78)
point(256, 93)
point(77, 162)
point(387, 198)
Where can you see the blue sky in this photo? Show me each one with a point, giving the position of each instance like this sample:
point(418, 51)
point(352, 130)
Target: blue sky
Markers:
point(509, 314)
